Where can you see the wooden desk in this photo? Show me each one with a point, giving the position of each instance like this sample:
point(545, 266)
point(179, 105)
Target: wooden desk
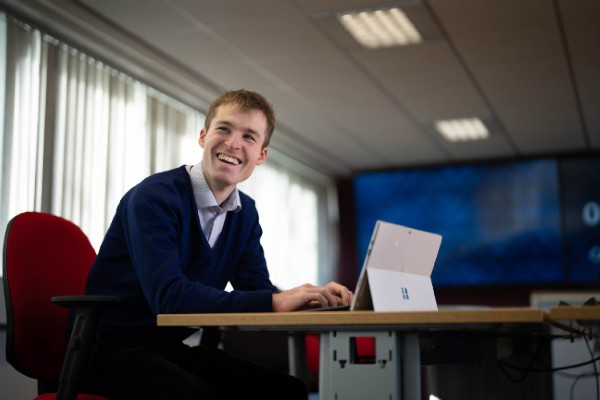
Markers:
point(406, 325)
point(326, 320)
point(583, 313)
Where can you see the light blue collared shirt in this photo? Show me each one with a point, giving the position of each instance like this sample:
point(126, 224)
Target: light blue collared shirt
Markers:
point(212, 216)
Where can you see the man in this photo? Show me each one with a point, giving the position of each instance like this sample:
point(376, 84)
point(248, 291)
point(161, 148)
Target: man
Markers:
point(176, 240)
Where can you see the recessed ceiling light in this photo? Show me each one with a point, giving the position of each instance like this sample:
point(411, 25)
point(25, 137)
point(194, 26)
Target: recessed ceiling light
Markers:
point(460, 130)
point(380, 28)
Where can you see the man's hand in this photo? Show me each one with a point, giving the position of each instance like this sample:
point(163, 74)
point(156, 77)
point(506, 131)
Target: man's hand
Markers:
point(341, 292)
point(310, 296)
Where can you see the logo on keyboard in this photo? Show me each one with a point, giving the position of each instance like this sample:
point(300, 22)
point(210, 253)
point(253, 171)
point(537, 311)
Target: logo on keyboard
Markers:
point(405, 293)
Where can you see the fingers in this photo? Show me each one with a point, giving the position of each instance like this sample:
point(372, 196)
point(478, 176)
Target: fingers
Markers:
point(310, 296)
point(344, 296)
point(332, 294)
point(322, 295)
point(319, 296)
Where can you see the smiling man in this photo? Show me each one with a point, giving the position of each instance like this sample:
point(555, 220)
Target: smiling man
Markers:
point(234, 140)
point(177, 239)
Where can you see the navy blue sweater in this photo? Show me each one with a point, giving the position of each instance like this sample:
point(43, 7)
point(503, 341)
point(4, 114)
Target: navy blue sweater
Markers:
point(156, 258)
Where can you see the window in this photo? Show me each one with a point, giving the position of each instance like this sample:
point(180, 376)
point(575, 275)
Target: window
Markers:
point(78, 134)
point(293, 211)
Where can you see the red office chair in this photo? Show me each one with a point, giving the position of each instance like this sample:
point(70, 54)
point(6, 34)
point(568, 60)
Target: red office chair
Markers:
point(47, 257)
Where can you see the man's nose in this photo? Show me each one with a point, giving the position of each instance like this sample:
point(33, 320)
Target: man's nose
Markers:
point(233, 140)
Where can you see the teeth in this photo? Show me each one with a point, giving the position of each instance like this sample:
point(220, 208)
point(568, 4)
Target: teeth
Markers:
point(228, 159)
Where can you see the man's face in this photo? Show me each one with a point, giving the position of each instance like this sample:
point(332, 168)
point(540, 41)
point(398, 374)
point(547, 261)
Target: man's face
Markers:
point(232, 146)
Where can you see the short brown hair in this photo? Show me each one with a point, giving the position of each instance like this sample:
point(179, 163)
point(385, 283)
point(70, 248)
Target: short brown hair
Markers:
point(246, 100)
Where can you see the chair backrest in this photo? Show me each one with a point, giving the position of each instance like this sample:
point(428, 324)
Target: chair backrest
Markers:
point(44, 256)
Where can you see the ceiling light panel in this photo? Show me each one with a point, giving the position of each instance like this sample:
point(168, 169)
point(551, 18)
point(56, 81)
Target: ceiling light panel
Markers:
point(385, 27)
point(461, 130)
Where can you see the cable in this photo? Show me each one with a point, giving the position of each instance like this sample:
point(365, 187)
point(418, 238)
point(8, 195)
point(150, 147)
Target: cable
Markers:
point(587, 343)
point(503, 365)
point(516, 367)
point(572, 389)
point(576, 379)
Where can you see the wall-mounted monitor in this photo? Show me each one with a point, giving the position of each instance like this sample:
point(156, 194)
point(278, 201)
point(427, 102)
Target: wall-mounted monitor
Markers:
point(580, 190)
point(500, 222)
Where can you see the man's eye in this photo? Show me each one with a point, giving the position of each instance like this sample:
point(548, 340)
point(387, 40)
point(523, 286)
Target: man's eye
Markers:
point(250, 137)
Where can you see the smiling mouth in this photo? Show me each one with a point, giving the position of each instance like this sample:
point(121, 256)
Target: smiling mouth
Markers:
point(228, 159)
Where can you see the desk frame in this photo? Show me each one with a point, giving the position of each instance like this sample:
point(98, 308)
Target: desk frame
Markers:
point(406, 326)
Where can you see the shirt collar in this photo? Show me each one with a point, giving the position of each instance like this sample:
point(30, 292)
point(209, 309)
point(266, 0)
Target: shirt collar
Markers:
point(204, 196)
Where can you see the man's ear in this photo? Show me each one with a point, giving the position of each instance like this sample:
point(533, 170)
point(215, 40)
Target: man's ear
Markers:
point(202, 138)
point(263, 156)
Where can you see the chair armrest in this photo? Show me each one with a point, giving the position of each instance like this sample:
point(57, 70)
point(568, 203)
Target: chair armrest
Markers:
point(87, 301)
point(87, 310)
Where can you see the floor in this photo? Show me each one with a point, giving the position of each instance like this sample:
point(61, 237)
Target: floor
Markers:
point(14, 384)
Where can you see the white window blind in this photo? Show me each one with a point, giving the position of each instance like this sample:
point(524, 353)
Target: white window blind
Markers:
point(78, 134)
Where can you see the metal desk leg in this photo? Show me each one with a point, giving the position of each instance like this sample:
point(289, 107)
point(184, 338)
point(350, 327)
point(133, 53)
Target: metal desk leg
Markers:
point(411, 365)
point(346, 375)
point(297, 355)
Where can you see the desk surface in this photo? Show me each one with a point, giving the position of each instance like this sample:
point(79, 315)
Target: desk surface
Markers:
point(365, 319)
point(588, 313)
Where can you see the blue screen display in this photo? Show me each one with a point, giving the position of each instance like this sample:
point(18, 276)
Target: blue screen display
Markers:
point(581, 213)
point(500, 222)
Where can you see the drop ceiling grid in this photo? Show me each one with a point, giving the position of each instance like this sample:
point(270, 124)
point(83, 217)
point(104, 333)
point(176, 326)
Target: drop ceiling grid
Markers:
point(154, 19)
point(236, 12)
point(327, 6)
point(374, 120)
point(325, 133)
point(282, 38)
point(427, 80)
point(353, 105)
point(306, 154)
point(431, 85)
point(495, 146)
point(202, 54)
point(317, 71)
point(545, 135)
point(527, 77)
point(318, 66)
point(341, 92)
point(582, 30)
point(460, 18)
point(283, 35)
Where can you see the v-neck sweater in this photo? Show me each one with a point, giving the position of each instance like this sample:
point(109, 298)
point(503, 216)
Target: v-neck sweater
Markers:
point(156, 258)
